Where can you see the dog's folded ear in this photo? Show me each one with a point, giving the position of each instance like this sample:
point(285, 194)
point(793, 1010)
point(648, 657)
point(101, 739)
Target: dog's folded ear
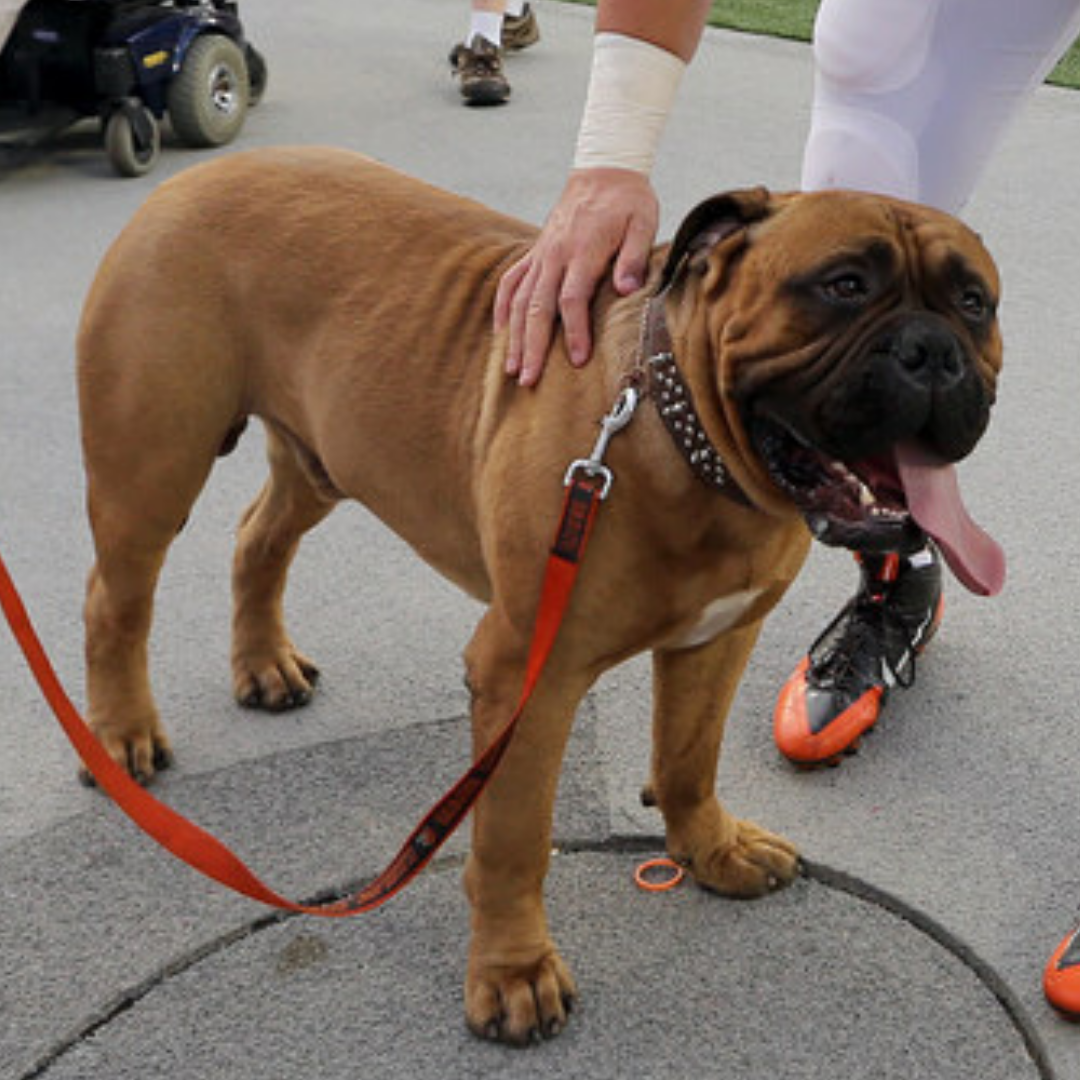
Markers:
point(712, 221)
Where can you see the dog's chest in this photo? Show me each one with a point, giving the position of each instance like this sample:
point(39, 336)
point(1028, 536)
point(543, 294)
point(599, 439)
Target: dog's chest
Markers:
point(721, 614)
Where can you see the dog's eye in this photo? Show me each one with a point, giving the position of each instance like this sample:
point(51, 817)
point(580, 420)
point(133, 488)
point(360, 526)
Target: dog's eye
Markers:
point(848, 288)
point(973, 303)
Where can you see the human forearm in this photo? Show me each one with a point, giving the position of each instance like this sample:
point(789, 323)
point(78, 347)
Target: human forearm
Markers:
point(674, 25)
point(607, 214)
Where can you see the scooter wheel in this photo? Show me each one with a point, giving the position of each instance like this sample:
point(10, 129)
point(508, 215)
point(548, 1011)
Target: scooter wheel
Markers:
point(258, 75)
point(126, 152)
point(208, 98)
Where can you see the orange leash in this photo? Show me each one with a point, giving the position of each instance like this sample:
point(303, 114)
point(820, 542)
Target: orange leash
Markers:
point(205, 853)
point(209, 855)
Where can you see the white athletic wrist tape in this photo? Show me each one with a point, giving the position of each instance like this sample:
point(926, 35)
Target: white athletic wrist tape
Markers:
point(631, 92)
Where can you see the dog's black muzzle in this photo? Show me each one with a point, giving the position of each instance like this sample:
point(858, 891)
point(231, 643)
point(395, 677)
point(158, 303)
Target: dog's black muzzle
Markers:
point(830, 442)
point(913, 379)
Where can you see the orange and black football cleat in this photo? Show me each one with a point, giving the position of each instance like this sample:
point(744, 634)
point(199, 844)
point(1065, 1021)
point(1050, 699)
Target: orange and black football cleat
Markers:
point(837, 692)
point(1061, 979)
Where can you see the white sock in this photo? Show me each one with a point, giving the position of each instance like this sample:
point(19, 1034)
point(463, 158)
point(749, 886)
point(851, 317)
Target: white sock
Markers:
point(485, 24)
point(515, 7)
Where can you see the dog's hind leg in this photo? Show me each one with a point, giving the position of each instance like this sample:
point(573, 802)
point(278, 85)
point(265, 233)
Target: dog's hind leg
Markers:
point(693, 690)
point(268, 671)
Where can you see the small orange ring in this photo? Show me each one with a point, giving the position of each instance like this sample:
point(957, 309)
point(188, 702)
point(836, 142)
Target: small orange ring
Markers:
point(643, 882)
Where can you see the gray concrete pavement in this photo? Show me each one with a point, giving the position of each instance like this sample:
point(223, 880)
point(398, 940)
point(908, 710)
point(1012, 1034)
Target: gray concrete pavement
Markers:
point(944, 866)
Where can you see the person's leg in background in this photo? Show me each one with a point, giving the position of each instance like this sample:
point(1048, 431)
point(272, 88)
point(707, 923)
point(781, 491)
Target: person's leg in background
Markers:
point(495, 26)
point(914, 113)
point(917, 116)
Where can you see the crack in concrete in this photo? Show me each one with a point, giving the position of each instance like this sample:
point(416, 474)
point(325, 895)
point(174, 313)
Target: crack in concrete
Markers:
point(826, 876)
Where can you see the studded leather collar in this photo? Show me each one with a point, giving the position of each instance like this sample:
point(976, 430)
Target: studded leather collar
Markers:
point(663, 382)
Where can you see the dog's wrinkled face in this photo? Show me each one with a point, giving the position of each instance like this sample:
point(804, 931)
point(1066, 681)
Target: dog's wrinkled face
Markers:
point(861, 360)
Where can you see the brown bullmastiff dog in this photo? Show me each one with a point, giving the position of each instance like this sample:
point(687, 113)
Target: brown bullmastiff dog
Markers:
point(814, 358)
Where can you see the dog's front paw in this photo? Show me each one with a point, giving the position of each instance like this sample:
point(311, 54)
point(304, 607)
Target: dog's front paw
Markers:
point(140, 748)
point(744, 860)
point(519, 1004)
point(273, 679)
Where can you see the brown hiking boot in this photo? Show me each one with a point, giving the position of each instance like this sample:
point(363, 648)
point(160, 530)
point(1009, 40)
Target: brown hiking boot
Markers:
point(479, 66)
point(520, 31)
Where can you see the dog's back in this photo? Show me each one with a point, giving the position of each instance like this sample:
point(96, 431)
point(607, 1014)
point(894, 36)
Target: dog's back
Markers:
point(293, 234)
point(284, 284)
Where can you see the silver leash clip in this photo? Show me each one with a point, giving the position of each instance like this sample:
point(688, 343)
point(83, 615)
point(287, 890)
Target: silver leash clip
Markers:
point(593, 466)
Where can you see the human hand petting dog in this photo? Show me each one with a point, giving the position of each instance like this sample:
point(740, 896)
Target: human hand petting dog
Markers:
point(608, 212)
point(605, 219)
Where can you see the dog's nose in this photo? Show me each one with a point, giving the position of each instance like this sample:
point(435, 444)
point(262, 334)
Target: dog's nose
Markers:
point(929, 355)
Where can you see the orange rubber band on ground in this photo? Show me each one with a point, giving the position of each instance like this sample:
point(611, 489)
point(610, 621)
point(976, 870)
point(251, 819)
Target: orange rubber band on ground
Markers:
point(675, 874)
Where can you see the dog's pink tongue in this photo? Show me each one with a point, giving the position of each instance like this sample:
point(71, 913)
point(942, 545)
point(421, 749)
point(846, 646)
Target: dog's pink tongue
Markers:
point(933, 498)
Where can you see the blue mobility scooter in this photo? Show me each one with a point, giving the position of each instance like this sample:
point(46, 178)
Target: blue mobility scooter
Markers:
point(129, 63)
